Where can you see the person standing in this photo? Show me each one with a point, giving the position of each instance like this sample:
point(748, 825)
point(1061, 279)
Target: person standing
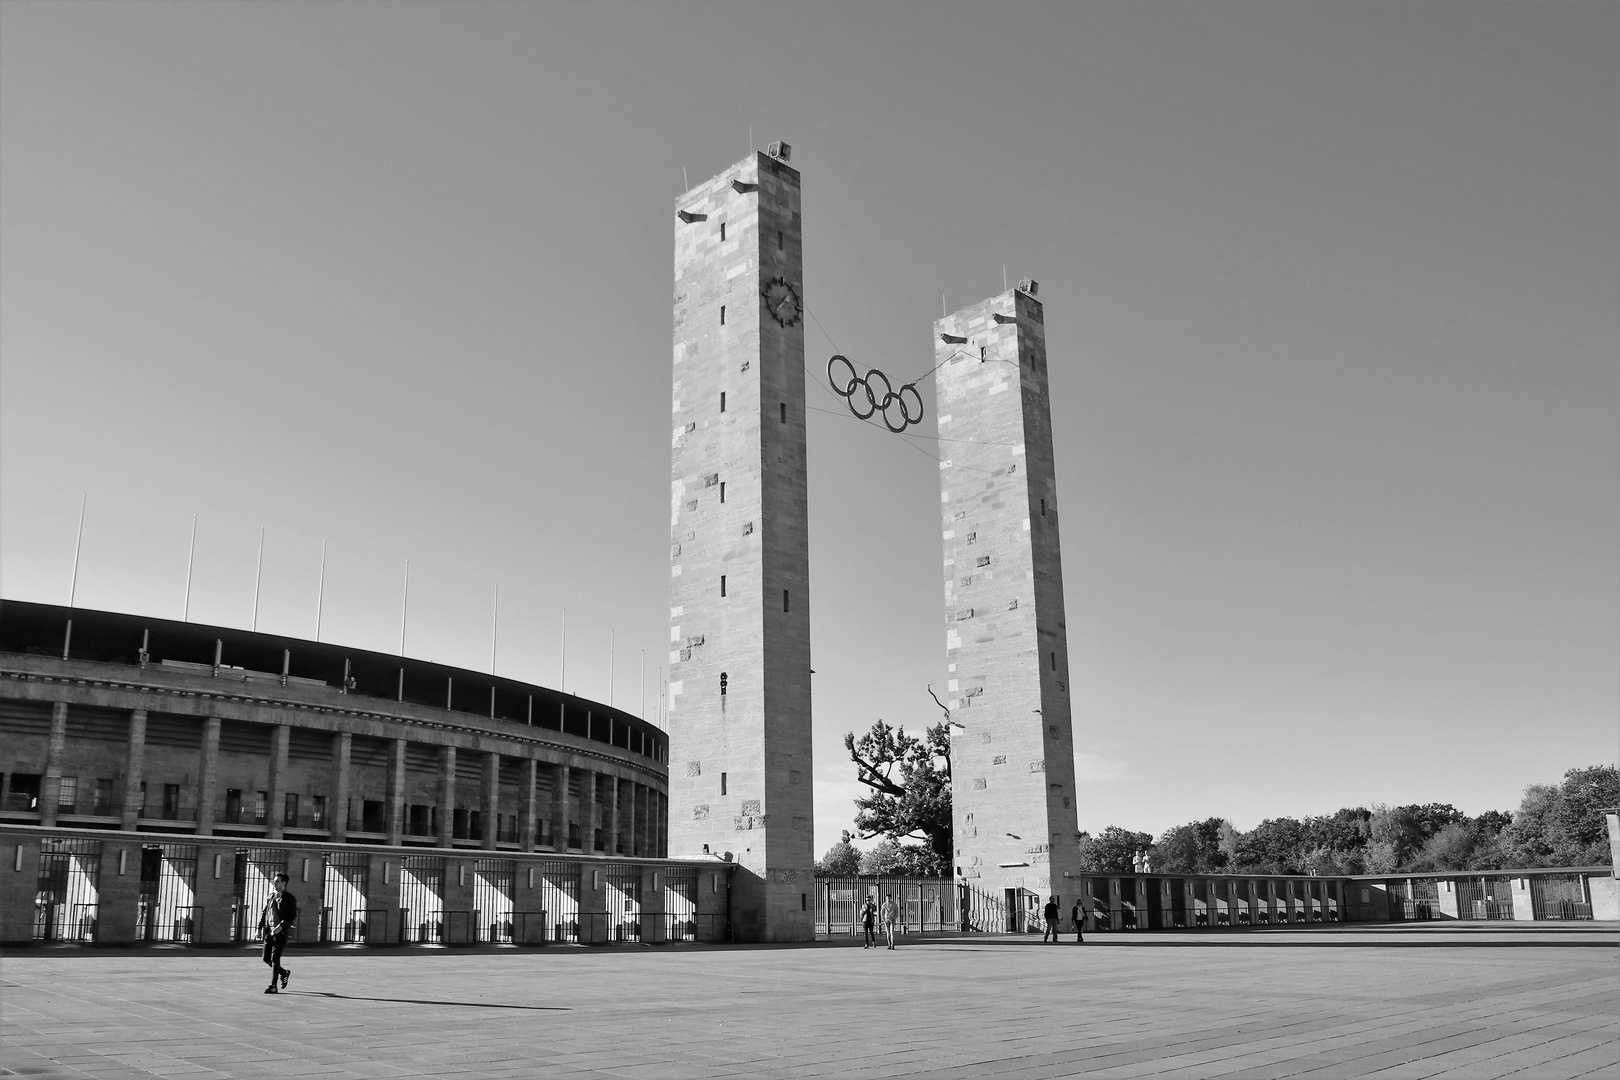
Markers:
point(275, 923)
point(869, 922)
point(891, 915)
point(1049, 914)
point(1078, 917)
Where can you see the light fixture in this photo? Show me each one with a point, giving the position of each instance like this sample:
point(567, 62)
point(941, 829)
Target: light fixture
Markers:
point(689, 217)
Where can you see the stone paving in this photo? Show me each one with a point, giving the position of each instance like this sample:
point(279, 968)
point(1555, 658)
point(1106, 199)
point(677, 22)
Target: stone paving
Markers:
point(1398, 1003)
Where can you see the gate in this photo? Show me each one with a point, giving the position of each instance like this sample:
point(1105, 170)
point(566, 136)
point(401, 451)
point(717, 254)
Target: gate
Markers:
point(1484, 898)
point(1559, 896)
point(493, 883)
point(256, 869)
point(66, 898)
point(680, 905)
point(167, 909)
point(421, 898)
point(624, 902)
point(559, 896)
point(344, 917)
point(1425, 900)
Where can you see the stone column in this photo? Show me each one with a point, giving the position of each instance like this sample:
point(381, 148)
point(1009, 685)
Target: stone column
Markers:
point(559, 807)
point(527, 776)
point(447, 794)
point(613, 816)
point(50, 792)
point(492, 799)
point(589, 817)
point(637, 842)
point(275, 812)
point(207, 776)
point(663, 828)
point(134, 761)
point(338, 814)
point(396, 793)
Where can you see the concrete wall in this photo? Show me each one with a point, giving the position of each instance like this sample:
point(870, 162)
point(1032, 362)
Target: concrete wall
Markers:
point(741, 778)
point(1006, 641)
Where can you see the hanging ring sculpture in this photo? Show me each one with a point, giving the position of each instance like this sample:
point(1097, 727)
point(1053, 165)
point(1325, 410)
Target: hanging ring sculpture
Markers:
point(865, 399)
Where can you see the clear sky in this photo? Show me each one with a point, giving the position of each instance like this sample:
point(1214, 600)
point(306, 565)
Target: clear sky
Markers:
point(1331, 304)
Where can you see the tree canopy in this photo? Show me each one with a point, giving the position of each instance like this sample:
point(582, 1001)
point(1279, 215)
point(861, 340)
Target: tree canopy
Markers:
point(910, 798)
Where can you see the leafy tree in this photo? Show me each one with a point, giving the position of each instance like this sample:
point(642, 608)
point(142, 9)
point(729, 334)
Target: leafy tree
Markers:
point(1562, 825)
point(895, 859)
point(1272, 847)
point(841, 860)
point(910, 780)
point(1113, 851)
point(1195, 848)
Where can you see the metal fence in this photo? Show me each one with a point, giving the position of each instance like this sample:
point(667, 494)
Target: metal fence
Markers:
point(167, 908)
point(925, 904)
point(421, 898)
point(67, 900)
point(1560, 896)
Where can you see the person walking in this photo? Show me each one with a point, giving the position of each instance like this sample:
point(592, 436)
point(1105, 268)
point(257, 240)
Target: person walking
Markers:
point(1078, 917)
point(1049, 914)
point(891, 915)
point(869, 922)
point(275, 923)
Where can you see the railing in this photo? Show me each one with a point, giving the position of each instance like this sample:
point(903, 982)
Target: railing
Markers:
point(239, 815)
point(176, 813)
point(606, 927)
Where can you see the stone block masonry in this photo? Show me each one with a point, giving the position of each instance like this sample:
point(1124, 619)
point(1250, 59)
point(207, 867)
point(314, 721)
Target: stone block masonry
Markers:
point(739, 693)
point(1006, 645)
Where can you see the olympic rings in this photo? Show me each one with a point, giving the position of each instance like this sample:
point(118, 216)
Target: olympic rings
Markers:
point(893, 405)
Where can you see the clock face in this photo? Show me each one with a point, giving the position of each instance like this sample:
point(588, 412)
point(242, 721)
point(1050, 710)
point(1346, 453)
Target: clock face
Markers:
point(782, 301)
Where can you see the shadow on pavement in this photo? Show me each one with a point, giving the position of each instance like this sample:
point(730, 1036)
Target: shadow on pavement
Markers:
point(426, 1001)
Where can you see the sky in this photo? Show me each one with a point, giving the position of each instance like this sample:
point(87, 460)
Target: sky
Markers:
point(1331, 307)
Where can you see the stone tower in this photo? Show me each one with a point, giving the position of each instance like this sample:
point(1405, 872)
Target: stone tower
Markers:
point(739, 692)
point(1012, 755)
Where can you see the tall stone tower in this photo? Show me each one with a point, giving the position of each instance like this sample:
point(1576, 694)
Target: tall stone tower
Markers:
point(1012, 755)
point(739, 692)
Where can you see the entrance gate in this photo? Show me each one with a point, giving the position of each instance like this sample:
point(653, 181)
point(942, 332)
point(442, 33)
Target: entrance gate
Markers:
point(67, 899)
point(1560, 896)
point(256, 869)
point(421, 898)
point(624, 903)
point(559, 896)
point(167, 909)
point(680, 905)
point(344, 919)
point(493, 882)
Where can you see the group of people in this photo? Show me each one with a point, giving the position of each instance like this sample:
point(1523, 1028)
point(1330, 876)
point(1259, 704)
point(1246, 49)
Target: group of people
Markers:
point(1077, 920)
point(870, 914)
point(889, 915)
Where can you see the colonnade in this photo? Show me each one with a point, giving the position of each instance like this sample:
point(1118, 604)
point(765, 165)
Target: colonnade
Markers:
point(613, 812)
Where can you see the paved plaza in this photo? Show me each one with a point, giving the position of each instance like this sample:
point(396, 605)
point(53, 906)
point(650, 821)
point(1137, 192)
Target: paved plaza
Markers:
point(1398, 1003)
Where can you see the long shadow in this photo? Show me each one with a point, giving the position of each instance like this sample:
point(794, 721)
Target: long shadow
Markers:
point(1146, 942)
point(425, 1001)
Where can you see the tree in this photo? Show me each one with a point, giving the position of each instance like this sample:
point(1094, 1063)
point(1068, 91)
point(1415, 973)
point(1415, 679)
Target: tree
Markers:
point(1272, 847)
point(1562, 824)
point(910, 780)
point(1114, 851)
point(841, 860)
point(893, 859)
point(1195, 848)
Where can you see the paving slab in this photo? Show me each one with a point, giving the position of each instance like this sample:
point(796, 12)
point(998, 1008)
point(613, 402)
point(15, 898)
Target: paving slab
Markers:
point(1456, 1001)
